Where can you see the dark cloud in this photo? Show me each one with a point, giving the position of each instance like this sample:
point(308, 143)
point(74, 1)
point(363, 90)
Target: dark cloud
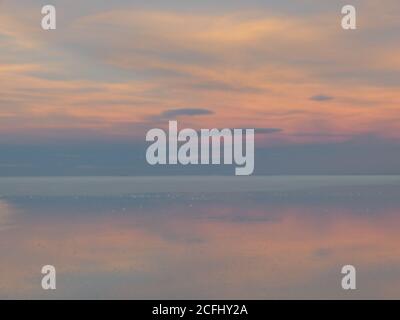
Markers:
point(321, 97)
point(323, 252)
point(322, 134)
point(267, 130)
point(114, 157)
point(220, 86)
point(256, 130)
point(189, 112)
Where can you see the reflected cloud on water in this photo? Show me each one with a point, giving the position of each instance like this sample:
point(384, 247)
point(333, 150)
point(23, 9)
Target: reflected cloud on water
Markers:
point(203, 245)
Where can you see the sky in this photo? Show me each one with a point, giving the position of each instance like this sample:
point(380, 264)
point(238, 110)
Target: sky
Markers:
point(79, 100)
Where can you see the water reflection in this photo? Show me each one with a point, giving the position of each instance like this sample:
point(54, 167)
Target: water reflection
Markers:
point(6, 212)
point(203, 245)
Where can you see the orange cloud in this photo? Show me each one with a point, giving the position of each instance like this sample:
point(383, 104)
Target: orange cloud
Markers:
point(250, 68)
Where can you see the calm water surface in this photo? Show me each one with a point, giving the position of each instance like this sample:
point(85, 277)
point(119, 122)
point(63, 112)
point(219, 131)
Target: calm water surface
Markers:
point(204, 237)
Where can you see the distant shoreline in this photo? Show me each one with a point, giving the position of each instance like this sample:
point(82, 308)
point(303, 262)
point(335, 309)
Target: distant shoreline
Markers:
point(111, 186)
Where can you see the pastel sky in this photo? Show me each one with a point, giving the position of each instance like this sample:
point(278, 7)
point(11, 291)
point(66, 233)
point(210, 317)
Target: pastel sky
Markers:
point(114, 69)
